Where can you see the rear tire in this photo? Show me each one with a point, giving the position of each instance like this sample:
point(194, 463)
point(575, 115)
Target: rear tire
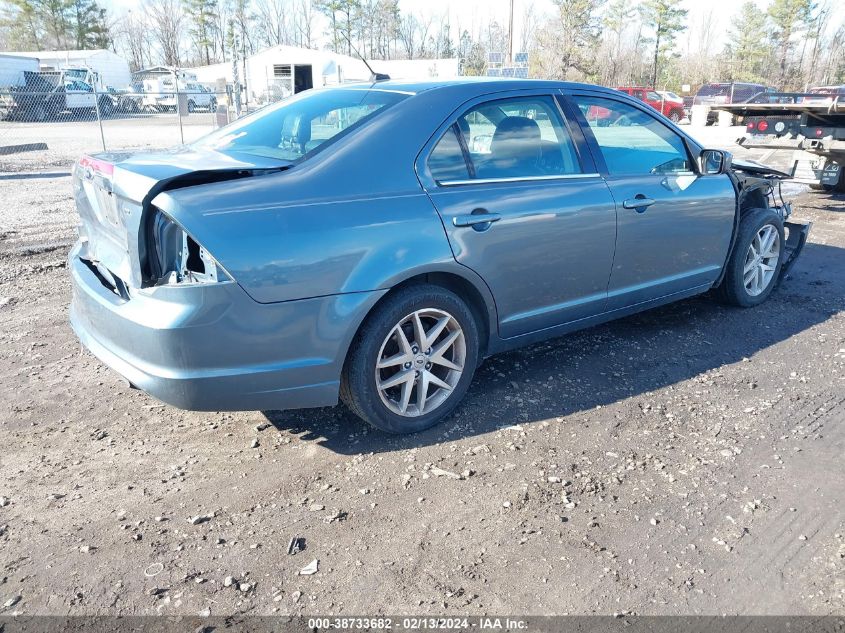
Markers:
point(39, 113)
point(817, 186)
point(106, 107)
point(438, 352)
point(754, 266)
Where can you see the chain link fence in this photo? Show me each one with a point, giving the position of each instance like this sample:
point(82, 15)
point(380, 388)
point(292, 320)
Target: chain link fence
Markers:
point(45, 124)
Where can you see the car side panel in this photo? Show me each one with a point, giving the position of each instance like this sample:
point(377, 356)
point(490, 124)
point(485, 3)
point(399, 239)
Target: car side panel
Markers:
point(678, 243)
point(278, 252)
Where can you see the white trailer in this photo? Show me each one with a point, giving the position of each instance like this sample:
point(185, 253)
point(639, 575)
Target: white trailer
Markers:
point(112, 69)
point(12, 68)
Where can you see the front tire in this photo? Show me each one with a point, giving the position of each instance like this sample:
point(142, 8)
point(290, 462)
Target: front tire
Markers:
point(412, 361)
point(754, 266)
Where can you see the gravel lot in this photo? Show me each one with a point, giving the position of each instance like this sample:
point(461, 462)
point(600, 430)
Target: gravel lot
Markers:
point(688, 460)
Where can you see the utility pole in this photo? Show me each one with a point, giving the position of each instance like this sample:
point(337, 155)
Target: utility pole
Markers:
point(510, 37)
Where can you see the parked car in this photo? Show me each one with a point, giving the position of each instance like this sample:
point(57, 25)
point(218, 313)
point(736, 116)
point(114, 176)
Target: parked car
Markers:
point(356, 242)
point(671, 108)
point(129, 100)
point(724, 93)
point(161, 93)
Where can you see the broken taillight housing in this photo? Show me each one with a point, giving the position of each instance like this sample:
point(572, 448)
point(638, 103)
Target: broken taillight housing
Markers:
point(179, 258)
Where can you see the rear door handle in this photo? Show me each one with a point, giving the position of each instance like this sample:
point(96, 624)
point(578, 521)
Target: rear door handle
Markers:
point(472, 219)
point(638, 202)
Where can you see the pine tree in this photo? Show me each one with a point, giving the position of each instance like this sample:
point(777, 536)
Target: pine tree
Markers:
point(201, 15)
point(90, 26)
point(666, 20)
point(56, 19)
point(24, 25)
point(570, 40)
point(748, 44)
point(788, 18)
point(617, 18)
point(57, 24)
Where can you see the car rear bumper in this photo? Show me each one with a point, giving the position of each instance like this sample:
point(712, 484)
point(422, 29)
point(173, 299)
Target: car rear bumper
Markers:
point(210, 347)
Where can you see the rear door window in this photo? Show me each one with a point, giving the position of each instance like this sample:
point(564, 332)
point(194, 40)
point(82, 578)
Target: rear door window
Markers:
point(447, 160)
point(517, 138)
point(632, 141)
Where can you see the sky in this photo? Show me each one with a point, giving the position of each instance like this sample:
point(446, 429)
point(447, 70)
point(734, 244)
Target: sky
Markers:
point(472, 14)
point(468, 12)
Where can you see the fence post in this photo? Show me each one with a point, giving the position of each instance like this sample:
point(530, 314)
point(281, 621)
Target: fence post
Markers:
point(99, 117)
point(178, 107)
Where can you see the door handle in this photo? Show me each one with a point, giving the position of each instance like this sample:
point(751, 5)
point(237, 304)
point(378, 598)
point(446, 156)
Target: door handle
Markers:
point(638, 202)
point(474, 219)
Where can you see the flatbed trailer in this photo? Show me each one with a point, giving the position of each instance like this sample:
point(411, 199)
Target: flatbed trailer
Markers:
point(796, 121)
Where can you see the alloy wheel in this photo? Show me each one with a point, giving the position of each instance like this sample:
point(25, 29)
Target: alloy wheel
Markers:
point(420, 362)
point(761, 260)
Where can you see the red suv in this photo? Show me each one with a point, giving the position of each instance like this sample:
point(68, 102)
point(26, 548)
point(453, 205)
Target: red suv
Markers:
point(671, 109)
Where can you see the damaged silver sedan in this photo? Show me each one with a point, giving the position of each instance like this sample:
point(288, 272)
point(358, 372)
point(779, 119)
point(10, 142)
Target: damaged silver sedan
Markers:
point(373, 243)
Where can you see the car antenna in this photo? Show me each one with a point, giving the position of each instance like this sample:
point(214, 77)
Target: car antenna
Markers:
point(374, 76)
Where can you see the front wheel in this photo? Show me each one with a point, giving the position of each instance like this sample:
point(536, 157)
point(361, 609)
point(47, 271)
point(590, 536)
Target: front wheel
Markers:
point(754, 266)
point(106, 107)
point(412, 361)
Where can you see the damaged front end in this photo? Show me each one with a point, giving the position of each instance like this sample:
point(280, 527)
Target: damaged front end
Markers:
point(759, 186)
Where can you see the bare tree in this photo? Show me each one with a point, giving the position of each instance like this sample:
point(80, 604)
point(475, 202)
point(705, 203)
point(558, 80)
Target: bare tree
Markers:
point(132, 38)
point(274, 19)
point(165, 24)
point(305, 16)
point(528, 29)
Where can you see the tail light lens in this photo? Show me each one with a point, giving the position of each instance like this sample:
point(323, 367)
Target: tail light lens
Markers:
point(180, 258)
point(819, 132)
point(750, 127)
point(762, 126)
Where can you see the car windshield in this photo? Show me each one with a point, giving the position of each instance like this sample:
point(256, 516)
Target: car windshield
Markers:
point(295, 128)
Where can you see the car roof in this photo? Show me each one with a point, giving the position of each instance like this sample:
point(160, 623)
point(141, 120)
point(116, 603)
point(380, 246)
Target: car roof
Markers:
point(479, 85)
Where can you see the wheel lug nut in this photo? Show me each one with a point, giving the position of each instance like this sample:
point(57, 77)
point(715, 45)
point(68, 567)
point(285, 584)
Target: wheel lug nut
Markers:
point(415, 349)
point(407, 365)
point(428, 365)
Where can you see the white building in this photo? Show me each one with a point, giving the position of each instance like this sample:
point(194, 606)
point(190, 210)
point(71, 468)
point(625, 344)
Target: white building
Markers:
point(12, 68)
point(281, 70)
point(112, 68)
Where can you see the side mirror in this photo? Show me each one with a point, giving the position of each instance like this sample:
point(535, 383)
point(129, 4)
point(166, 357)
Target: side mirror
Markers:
point(714, 161)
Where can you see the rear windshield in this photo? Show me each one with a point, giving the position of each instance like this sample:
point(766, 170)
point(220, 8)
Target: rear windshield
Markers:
point(295, 128)
point(714, 90)
point(720, 90)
